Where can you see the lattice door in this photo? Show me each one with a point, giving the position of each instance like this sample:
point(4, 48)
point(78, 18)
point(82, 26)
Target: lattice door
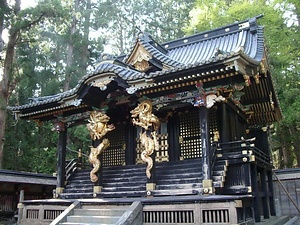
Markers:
point(114, 155)
point(190, 136)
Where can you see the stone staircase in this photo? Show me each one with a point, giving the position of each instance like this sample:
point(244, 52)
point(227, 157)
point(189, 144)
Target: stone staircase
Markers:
point(107, 215)
point(173, 178)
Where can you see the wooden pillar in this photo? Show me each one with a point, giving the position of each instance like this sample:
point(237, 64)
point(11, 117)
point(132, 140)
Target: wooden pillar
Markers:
point(61, 160)
point(173, 140)
point(255, 193)
point(265, 198)
point(225, 124)
point(271, 193)
point(130, 152)
point(205, 143)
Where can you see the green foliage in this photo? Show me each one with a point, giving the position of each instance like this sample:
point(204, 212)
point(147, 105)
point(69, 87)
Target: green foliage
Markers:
point(78, 138)
point(121, 21)
point(281, 21)
point(30, 148)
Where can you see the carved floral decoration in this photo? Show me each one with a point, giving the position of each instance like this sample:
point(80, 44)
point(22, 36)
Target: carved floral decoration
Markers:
point(202, 98)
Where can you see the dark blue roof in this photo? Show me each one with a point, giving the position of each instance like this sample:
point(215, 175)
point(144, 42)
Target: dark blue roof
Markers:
point(242, 38)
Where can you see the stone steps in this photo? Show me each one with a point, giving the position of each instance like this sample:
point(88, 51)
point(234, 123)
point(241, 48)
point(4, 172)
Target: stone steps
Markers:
point(104, 215)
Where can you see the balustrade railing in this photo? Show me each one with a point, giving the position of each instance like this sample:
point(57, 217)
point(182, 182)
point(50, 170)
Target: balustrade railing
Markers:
point(245, 147)
point(74, 164)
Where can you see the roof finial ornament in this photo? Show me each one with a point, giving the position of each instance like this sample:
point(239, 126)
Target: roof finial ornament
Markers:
point(140, 32)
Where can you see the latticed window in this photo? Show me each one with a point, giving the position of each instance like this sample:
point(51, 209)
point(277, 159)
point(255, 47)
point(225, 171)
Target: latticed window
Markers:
point(190, 136)
point(114, 155)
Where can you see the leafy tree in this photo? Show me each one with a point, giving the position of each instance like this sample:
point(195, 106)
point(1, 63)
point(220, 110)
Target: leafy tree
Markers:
point(122, 20)
point(39, 69)
point(281, 36)
point(17, 22)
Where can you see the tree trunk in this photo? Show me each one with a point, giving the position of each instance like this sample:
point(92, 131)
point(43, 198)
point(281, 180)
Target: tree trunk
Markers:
point(69, 66)
point(86, 30)
point(285, 155)
point(6, 78)
point(296, 143)
point(280, 159)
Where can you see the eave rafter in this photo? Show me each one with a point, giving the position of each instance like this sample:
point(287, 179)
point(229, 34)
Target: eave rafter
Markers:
point(151, 86)
point(52, 112)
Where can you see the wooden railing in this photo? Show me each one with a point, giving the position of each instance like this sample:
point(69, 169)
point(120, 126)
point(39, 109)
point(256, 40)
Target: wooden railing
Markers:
point(245, 147)
point(71, 167)
point(193, 213)
point(32, 214)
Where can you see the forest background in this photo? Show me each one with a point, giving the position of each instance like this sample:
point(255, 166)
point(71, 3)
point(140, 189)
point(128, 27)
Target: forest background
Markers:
point(46, 48)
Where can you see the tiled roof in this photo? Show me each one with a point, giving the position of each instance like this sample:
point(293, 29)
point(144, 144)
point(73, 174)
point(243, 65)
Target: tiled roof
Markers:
point(121, 72)
point(244, 38)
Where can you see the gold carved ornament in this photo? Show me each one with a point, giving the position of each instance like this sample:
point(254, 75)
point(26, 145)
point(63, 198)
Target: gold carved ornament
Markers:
point(143, 117)
point(98, 127)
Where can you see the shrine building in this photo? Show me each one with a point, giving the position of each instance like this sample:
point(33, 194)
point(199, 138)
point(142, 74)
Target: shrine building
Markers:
point(179, 134)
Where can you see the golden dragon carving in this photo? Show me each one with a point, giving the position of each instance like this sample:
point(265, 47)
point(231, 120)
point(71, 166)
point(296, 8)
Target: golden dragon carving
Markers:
point(93, 158)
point(98, 127)
point(143, 117)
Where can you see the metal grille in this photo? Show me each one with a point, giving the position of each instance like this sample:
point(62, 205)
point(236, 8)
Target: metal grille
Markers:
point(114, 155)
point(32, 214)
point(51, 214)
point(215, 216)
point(190, 136)
point(176, 217)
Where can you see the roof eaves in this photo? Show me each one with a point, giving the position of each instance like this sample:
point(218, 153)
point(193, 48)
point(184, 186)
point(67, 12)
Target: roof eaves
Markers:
point(124, 73)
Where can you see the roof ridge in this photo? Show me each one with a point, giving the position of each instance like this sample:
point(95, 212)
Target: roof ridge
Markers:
point(220, 31)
